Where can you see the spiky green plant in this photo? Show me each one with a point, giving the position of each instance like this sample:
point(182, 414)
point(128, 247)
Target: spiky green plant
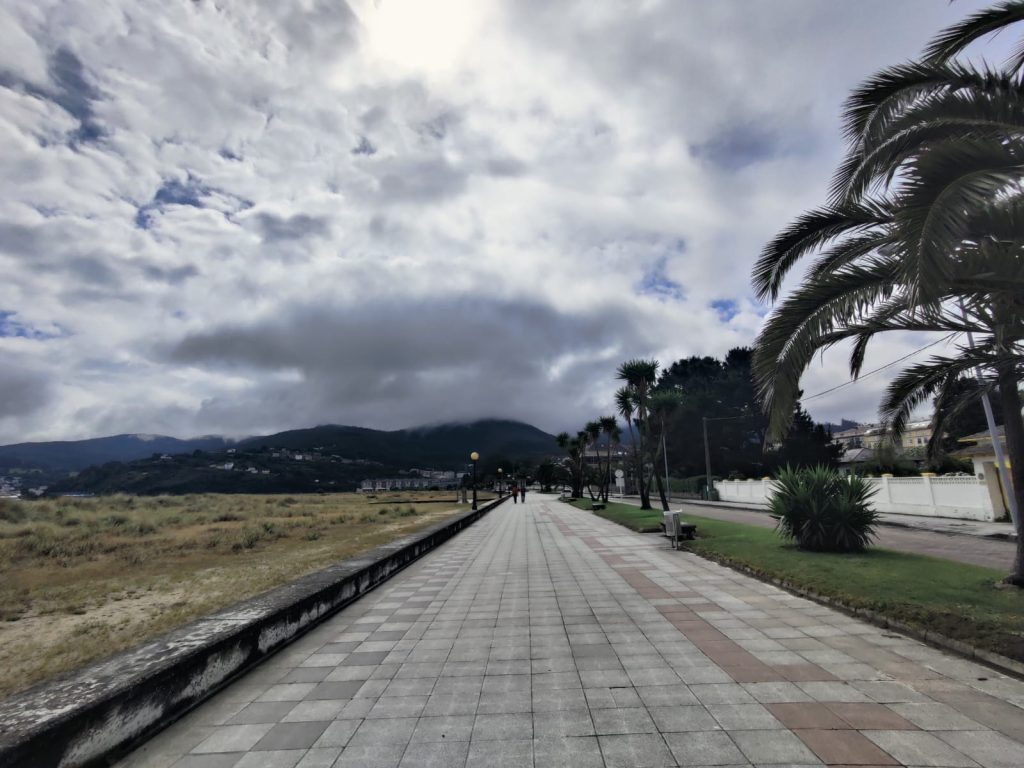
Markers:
point(823, 511)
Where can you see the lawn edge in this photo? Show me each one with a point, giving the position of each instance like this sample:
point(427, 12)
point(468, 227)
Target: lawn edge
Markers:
point(990, 659)
point(98, 712)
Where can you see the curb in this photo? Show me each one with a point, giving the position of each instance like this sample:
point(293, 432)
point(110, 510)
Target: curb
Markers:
point(96, 713)
point(995, 661)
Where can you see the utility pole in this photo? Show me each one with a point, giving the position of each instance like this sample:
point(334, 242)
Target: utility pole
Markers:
point(707, 458)
point(664, 454)
point(990, 419)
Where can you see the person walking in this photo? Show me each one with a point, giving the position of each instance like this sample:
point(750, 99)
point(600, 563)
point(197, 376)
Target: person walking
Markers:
point(515, 494)
point(522, 494)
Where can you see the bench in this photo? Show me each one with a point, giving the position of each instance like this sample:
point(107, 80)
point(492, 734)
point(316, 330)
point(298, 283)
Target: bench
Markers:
point(596, 505)
point(674, 528)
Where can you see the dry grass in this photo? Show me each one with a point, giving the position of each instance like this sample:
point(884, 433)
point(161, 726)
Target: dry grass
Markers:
point(81, 578)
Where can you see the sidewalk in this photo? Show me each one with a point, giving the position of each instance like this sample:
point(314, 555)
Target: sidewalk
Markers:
point(546, 637)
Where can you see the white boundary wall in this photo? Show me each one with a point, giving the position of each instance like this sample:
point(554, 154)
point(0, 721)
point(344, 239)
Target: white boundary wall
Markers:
point(966, 498)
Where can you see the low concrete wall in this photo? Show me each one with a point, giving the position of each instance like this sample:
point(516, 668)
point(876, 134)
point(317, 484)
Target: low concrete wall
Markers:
point(87, 716)
point(964, 498)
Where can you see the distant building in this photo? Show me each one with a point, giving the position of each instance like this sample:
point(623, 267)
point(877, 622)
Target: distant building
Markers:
point(916, 435)
point(403, 484)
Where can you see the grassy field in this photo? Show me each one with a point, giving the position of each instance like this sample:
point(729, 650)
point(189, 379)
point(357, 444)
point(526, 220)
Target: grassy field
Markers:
point(965, 602)
point(81, 578)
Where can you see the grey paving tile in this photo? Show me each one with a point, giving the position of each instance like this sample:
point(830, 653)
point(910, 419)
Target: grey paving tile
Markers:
point(371, 756)
point(290, 736)
point(622, 720)
point(222, 760)
point(722, 693)
point(666, 695)
point(331, 690)
point(233, 738)
point(262, 712)
point(446, 728)
point(987, 748)
point(397, 706)
point(635, 751)
point(562, 723)
point(497, 703)
point(919, 748)
point(774, 747)
point(312, 711)
point(743, 717)
point(386, 731)
point(337, 734)
point(573, 752)
point(935, 716)
point(678, 719)
point(503, 727)
point(450, 704)
point(704, 748)
point(271, 759)
point(436, 755)
point(500, 754)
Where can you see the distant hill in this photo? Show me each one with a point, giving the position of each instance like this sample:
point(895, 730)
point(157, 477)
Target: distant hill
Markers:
point(436, 445)
point(74, 455)
point(445, 445)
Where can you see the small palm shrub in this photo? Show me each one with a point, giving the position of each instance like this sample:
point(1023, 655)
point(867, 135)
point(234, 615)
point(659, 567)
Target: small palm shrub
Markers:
point(823, 511)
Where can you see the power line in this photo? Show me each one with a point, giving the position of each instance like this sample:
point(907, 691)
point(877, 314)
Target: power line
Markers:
point(876, 370)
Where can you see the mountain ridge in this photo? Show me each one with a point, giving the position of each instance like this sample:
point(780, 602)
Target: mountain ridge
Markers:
point(433, 444)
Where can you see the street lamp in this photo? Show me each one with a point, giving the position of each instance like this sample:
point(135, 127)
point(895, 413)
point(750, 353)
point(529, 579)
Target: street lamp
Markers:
point(474, 457)
point(501, 472)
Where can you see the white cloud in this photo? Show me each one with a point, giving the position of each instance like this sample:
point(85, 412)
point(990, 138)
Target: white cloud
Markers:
point(246, 216)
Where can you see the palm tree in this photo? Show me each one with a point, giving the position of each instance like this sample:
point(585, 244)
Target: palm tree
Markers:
point(662, 406)
point(593, 432)
point(640, 377)
point(610, 428)
point(571, 446)
point(923, 232)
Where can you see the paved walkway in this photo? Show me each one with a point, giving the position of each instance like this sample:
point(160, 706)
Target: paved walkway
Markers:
point(544, 636)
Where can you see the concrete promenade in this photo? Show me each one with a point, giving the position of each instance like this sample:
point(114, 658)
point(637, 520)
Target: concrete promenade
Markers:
point(544, 636)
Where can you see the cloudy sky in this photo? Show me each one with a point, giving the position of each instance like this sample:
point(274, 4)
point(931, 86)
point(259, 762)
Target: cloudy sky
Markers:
point(248, 215)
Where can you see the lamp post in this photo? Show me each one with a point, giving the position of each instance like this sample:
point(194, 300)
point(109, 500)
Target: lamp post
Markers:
point(500, 486)
point(474, 457)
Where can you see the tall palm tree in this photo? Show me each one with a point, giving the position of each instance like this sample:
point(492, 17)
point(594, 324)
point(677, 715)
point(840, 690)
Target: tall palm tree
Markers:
point(610, 428)
point(924, 231)
point(640, 377)
point(593, 432)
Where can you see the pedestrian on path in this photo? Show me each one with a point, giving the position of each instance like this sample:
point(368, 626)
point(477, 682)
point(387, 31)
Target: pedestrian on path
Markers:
point(515, 495)
point(522, 494)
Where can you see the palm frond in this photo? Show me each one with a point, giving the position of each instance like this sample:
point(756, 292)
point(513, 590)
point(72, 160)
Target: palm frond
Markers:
point(954, 39)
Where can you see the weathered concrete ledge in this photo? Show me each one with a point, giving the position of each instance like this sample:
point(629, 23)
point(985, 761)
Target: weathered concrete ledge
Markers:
point(85, 717)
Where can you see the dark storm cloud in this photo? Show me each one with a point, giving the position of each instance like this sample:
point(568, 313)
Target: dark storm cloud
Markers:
point(430, 180)
point(276, 228)
point(737, 146)
point(404, 362)
point(399, 336)
point(22, 392)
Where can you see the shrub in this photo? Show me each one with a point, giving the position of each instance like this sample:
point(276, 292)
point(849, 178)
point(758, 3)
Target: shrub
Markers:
point(823, 511)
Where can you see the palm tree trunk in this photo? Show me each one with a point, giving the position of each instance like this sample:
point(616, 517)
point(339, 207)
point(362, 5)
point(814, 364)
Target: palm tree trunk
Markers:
point(608, 472)
point(661, 488)
point(1013, 424)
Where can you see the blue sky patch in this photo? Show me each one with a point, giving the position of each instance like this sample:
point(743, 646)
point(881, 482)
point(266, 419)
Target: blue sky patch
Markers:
point(657, 283)
point(173, 192)
point(13, 329)
point(727, 309)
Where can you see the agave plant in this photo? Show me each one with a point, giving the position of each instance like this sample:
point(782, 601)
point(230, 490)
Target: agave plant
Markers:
point(823, 511)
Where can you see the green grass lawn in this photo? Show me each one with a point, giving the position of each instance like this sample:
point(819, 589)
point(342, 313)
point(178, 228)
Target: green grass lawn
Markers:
point(964, 602)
